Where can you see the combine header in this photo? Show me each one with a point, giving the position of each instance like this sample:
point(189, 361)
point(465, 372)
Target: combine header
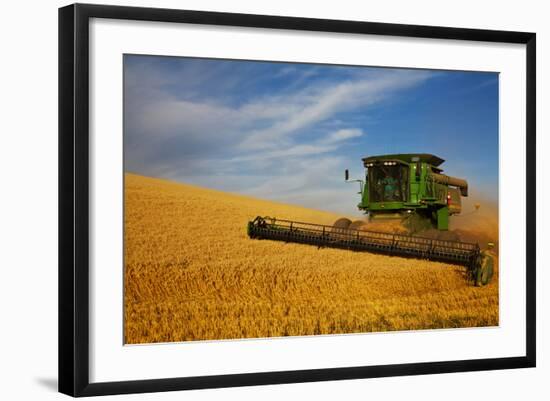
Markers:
point(398, 186)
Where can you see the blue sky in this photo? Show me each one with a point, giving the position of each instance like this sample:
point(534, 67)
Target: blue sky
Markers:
point(286, 131)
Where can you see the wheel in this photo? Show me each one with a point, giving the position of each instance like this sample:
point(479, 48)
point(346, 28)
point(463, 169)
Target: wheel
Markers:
point(341, 224)
point(477, 272)
point(356, 225)
point(477, 276)
point(487, 270)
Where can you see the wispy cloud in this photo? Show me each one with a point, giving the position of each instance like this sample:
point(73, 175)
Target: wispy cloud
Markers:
point(343, 135)
point(284, 127)
point(313, 105)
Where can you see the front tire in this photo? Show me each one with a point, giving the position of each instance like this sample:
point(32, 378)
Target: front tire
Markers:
point(341, 224)
point(356, 225)
point(487, 271)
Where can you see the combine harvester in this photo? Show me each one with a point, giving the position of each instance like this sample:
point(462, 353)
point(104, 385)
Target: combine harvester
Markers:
point(407, 187)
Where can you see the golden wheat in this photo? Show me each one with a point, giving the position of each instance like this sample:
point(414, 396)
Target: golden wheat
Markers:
point(192, 273)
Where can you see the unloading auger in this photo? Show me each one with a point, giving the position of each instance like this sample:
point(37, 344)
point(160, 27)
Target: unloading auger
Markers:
point(396, 186)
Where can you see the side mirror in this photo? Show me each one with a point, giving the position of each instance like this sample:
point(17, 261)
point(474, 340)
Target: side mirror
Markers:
point(347, 174)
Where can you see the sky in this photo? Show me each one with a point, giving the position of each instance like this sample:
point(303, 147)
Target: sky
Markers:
point(286, 131)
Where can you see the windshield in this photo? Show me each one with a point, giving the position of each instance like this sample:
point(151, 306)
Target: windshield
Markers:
point(388, 183)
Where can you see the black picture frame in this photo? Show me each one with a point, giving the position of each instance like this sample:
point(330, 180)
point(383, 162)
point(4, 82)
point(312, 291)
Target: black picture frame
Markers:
point(74, 198)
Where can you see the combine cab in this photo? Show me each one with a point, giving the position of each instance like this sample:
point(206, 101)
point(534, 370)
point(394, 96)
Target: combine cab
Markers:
point(409, 187)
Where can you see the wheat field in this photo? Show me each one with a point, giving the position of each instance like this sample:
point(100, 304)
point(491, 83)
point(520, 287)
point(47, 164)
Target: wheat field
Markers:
point(192, 273)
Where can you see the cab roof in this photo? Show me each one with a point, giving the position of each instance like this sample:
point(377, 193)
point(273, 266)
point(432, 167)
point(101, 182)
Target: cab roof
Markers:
point(407, 158)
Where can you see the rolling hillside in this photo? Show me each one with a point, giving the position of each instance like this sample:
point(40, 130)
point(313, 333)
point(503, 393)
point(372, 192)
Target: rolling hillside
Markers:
point(192, 273)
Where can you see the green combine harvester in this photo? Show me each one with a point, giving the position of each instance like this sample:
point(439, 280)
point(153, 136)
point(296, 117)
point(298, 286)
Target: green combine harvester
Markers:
point(409, 187)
